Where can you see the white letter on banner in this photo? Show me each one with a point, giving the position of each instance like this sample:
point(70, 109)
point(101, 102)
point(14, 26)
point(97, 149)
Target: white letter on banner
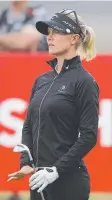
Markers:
point(11, 122)
point(105, 123)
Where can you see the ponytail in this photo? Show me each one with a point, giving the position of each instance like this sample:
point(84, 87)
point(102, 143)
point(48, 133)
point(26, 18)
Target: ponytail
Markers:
point(88, 50)
point(86, 47)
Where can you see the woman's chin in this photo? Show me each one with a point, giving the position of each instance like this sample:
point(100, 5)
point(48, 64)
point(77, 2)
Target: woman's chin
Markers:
point(53, 52)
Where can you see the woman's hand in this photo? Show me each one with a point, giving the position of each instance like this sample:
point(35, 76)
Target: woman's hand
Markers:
point(40, 179)
point(26, 170)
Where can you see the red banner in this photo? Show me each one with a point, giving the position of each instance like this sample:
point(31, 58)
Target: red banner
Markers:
point(17, 74)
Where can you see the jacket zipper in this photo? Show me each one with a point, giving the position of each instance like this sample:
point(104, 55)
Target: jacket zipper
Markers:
point(39, 114)
point(42, 195)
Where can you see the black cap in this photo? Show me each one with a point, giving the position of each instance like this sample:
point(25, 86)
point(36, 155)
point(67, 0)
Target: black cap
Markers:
point(61, 23)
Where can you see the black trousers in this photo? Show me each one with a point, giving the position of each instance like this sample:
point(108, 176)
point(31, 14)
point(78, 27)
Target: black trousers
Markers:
point(70, 186)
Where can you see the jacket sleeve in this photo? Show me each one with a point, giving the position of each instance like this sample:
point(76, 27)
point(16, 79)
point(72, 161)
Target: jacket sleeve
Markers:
point(27, 135)
point(87, 93)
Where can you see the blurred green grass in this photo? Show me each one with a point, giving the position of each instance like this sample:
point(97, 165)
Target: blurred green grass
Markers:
point(25, 196)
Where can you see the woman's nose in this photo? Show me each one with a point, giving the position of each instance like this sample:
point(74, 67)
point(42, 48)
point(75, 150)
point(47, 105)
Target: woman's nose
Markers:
point(50, 36)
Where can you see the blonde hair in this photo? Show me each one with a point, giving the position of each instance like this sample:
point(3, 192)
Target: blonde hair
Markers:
point(86, 46)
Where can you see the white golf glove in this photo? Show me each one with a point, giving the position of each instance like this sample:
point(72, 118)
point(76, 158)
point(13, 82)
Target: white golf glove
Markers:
point(42, 178)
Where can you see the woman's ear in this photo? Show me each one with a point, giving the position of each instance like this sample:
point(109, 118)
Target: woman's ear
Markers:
point(75, 38)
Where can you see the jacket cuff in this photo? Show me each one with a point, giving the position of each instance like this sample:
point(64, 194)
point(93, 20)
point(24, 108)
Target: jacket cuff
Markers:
point(59, 170)
point(24, 164)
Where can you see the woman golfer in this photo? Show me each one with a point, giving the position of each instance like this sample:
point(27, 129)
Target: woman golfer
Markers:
point(62, 120)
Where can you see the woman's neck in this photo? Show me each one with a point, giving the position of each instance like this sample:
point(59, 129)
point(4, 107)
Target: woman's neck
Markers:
point(61, 61)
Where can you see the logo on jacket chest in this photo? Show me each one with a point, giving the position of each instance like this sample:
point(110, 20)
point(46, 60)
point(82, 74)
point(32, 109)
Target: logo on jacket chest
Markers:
point(62, 89)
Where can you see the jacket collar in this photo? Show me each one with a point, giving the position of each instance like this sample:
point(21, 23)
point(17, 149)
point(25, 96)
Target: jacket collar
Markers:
point(67, 64)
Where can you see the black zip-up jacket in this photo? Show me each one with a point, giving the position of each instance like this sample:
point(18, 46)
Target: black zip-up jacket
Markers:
point(62, 119)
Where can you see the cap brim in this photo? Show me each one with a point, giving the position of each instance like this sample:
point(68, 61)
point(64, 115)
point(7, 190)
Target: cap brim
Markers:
point(42, 26)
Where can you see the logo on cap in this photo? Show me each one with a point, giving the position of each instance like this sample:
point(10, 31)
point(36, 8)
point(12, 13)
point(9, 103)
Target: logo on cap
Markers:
point(68, 30)
point(68, 24)
point(57, 28)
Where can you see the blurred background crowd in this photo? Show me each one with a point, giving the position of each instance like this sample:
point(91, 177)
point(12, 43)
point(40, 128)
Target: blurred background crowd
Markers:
point(18, 33)
point(18, 18)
